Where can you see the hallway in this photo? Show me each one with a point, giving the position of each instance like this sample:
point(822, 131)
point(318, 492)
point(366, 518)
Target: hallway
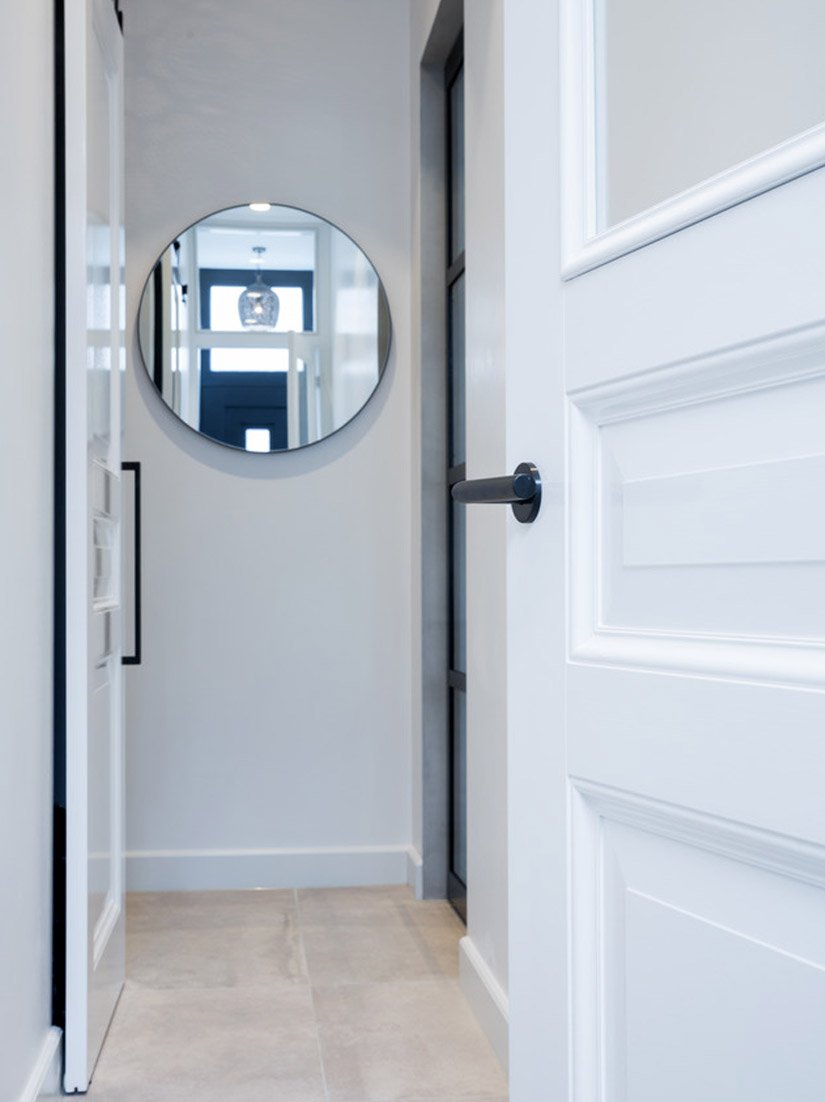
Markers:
point(334, 995)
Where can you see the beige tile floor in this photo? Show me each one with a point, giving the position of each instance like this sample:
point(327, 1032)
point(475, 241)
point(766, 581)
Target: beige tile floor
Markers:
point(339, 995)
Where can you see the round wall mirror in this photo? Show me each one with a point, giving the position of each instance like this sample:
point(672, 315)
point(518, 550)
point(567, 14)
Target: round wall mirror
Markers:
point(264, 327)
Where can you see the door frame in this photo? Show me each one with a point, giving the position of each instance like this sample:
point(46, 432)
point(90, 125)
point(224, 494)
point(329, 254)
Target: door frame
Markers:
point(59, 550)
point(457, 679)
point(430, 877)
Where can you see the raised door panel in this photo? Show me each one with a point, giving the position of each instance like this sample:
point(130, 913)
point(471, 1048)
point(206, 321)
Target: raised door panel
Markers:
point(697, 544)
point(703, 975)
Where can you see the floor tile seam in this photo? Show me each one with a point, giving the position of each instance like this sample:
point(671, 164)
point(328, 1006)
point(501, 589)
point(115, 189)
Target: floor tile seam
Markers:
point(258, 922)
point(339, 980)
point(382, 922)
point(315, 1019)
point(433, 981)
point(246, 988)
point(474, 1097)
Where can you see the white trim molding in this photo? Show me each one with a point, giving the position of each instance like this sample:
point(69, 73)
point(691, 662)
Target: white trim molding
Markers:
point(44, 1080)
point(415, 872)
point(780, 854)
point(220, 869)
point(586, 243)
point(487, 998)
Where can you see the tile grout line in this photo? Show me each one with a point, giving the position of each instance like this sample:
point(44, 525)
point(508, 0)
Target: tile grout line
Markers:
point(326, 915)
point(311, 993)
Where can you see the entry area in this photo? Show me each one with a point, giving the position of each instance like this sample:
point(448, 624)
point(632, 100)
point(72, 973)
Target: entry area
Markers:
point(324, 995)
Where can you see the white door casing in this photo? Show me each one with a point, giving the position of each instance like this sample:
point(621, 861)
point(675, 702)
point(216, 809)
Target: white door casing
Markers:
point(94, 368)
point(694, 359)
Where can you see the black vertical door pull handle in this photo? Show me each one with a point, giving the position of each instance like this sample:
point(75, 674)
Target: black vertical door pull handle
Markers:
point(136, 658)
point(521, 489)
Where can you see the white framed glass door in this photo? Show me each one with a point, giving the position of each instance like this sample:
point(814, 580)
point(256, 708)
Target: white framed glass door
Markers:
point(93, 403)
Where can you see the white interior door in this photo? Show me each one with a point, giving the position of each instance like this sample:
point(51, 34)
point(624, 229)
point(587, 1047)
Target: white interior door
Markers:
point(694, 359)
point(94, 354)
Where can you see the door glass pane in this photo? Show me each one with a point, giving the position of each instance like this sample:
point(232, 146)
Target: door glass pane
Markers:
point(689, 88)
point(459, 583)
point(457, 166)
point(458, 452)
point(459, 841)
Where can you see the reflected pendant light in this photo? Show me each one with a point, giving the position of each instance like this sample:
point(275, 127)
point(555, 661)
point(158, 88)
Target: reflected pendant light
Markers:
point(258, 305)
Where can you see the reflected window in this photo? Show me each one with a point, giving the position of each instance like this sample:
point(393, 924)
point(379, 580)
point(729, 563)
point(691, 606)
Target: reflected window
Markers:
point(224, 315)
point(248, 359)
point(220, 289)
point(258, 440)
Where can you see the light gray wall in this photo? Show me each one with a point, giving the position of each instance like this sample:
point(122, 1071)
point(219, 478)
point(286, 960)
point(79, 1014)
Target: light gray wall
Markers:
point(26, 502)
point(273, 708)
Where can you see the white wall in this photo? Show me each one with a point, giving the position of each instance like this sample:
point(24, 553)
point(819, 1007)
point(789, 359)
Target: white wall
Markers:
point(272, 711)
point(485, 950)
point(26, 503)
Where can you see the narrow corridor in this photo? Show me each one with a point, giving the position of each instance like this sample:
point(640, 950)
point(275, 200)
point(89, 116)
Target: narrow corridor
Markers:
point(334, 995)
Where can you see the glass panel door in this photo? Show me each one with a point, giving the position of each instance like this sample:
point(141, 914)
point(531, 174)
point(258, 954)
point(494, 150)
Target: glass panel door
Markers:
point(696, 87)
point(457, 674)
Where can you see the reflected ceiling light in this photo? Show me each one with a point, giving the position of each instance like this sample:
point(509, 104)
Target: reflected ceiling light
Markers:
point(260, 208)
point(258, 305)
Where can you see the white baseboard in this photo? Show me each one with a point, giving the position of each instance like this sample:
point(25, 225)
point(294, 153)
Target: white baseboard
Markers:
point(45, 1075)
point(415, 872)
point(215, 870)
point(487, 999)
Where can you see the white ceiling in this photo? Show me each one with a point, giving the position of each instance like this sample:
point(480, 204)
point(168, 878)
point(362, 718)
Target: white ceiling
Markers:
point(226, 239)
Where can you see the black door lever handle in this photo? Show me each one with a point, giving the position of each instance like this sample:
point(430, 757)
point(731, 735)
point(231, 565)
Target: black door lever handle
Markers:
point(521, 489)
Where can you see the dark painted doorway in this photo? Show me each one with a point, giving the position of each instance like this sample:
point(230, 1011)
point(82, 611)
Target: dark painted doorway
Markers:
point(456, 451)
point(235, 403)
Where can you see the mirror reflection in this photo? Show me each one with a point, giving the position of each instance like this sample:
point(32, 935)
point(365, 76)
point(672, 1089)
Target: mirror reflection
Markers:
point(264, 327)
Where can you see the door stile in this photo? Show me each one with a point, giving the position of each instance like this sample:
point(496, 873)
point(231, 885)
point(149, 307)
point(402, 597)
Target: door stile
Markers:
point(94, 342)
point(75, 1069)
